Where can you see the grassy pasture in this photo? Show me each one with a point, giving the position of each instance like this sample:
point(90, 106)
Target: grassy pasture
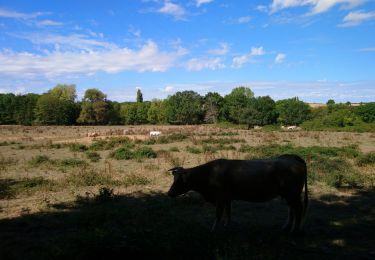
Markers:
point(66, 195)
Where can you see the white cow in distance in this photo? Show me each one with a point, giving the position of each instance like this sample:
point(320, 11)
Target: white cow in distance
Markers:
point(93, 134)
point(155, 133)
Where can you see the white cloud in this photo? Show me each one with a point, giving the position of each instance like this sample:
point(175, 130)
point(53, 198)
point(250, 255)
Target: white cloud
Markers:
point(243, 19)
point(317, 6)
point(224, 49)
point(280, 57)
point(172, 9)
point(239, 61)
point(202, 2)
point(356, 18)
point(257, 51)
point(196, 64)
point(72, 42)
point(17, 15)
point(262, 8)
point(168, 89)
point(49, 23)
point(147, 58)
point(371, 49)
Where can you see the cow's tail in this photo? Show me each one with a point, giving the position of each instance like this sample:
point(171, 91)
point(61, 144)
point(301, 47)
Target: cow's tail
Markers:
point(306, 198)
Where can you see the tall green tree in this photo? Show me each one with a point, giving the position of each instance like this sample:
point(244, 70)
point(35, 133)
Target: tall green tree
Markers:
point(184, 108)
point(260, 111)
point(212, 105)
point(139, 96)
point(57, 106)
point(292, 111)
point(236, 103)
point(25, 108)
point(366, 112)
point(7, 108)
point(95, 108)
point(157, 112)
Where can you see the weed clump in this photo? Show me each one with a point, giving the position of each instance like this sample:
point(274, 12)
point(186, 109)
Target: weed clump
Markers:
point(93, 156)
point(194, 150)
point(145, 152)
point(39, 160)
point(78, 148)
point(366, 159)
point(133, 179)
point(122, 153)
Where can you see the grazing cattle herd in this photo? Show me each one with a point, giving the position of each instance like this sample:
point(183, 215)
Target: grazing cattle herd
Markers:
point(222, 181)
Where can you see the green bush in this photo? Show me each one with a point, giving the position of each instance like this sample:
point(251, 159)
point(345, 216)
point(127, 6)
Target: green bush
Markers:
point(366, 159)
point(145, 152)
point(194, 150)
point(123, 153)
point(78, 147)
point(93, 156)
point(133, 179)
point(39, 160)
point(71, 162)
point(89, 178)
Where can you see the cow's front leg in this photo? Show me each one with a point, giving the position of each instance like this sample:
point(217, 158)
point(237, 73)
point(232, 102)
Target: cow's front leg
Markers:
point(227, 212)
point(219, 213)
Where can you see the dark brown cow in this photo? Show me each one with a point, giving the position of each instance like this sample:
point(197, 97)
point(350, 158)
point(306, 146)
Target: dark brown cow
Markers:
point(221, 181)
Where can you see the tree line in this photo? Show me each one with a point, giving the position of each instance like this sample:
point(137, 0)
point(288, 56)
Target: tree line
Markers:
point(59, 106)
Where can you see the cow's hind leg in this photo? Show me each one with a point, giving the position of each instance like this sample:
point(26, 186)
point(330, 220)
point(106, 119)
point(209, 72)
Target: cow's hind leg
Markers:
point(297, 209)
point(219, 213)
point(289, 222)
point(227, 212)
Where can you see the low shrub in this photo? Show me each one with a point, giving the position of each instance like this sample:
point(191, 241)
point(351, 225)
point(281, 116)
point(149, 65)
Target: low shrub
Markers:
point(93, 156)
point(145, 152)
point(366, 159)
point(122, 153)
point(78, 148)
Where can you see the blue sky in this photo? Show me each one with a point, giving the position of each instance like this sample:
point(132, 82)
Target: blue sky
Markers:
point(313, 49)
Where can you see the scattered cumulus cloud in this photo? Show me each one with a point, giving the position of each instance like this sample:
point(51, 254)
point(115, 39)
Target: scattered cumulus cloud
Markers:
point(243, 19)
point(257, 51)
point(240, 60)
point(371, 49)
point(172, 9)
point(168, 89)
point(317, 6)
point(49, 23)
point(196, 64)
point(114, 60)
point(280, 57)
point(356, 18)
point(222, 50)
point(17, 15)
point(198, 3)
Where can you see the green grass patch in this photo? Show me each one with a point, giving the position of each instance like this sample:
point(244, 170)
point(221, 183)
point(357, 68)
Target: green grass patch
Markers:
point(145, 152)
point(93, 156)
point(85, 177)
point(123, 153)
point(222, 141)
point(78, 148)
point(193, 149)
point(366, 159)
point(111, 143)
point(10, 188)
point(134, 179)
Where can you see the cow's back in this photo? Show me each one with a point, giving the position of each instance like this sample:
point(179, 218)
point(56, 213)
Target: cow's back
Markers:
point(258, 180)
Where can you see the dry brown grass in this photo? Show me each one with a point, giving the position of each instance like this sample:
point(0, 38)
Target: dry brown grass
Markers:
point(40, 140)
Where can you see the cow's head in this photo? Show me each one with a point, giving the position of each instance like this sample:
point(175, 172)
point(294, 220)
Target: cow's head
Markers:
point(179, 185)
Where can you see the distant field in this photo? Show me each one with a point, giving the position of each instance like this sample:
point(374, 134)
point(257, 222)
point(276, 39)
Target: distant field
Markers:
point(64, 194)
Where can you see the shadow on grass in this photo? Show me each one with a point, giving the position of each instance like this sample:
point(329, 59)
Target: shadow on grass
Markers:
point(153, 225)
